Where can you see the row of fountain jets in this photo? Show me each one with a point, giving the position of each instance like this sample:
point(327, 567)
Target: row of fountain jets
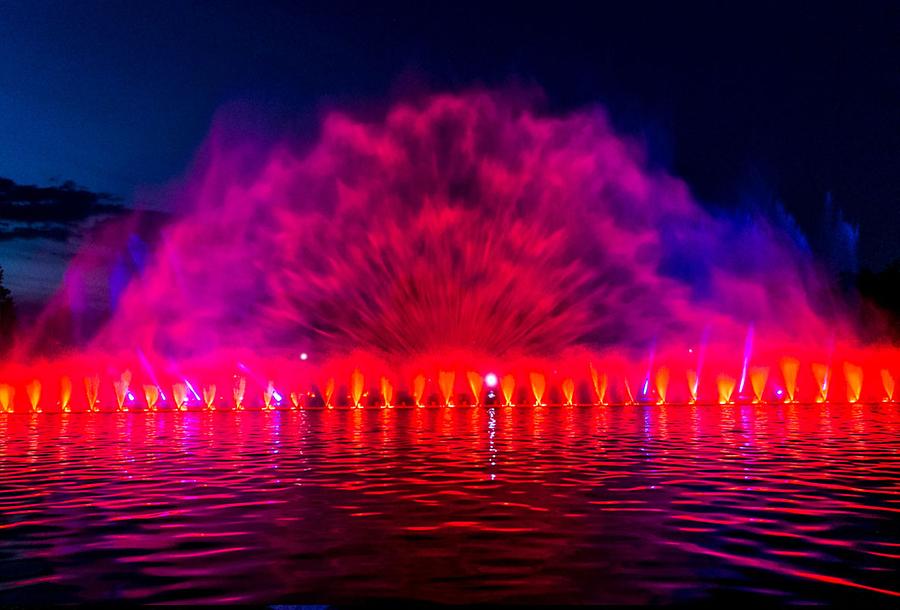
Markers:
point(183, 394)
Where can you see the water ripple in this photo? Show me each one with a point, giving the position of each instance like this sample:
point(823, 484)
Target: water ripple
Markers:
point(600, 505)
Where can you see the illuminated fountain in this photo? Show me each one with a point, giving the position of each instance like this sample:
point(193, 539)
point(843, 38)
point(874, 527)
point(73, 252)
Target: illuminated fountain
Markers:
point(568, 391)
point(92, 392)
point(65, 394)
point(888, 381)
point(446, 380)
point(725, 384)
point(508, 386)
point(476, 384)
point(418, 389)
point(179, 396)
point(387, 393)
point(33, 390)
point(463, 238)
point(693, 382)
point(609, 379)
point(209, 397)
point(357, 382)
point(662, 384)
point(822, 374)
point(600, 383)
point(151, 395)
point(790, 367)
point(240, 388)
point(121, 388)
point(268, 395)
point(538, 387)
point(853, 374)
point(759, 375)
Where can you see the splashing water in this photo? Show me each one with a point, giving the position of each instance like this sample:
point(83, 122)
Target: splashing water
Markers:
point(464, 233)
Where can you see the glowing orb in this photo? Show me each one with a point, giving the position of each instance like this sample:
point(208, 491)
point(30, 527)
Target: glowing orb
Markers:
point(491, 380)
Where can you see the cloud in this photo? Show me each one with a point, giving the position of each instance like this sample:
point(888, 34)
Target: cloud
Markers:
point(50, 212)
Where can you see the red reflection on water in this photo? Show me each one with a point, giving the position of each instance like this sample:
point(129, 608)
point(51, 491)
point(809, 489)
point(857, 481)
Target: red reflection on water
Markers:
point(584, 504)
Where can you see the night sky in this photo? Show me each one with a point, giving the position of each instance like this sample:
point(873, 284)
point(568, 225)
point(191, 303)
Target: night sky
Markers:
point(760, 103)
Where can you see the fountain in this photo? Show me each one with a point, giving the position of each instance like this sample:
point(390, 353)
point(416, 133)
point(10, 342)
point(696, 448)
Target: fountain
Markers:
point(887, 381)
point(568, 391)
point(464, 236)
point(662, 384)
point(790, 367)
point(759, 375)
point(387, 393)
point(151, 395)
point(92, 392)
point(508, 386)
point(121, 389)
point(209, 397)
point(822, 374)
point(446, 380)
point(65, 393)
point(854, 377)
point(538, 387)
point(476, 383)
point(33, 390)
point(418, 389)
point(240, 388)
point(725, 384)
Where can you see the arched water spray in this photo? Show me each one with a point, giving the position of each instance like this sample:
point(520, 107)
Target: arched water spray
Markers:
point(33, 390)
point(387, 393)
point(662, 384)
point(151, 396)
point(854, 377)
point(790, 367)
point(238, 392)
point(725, 384)
point(357, 387)
point(887, 380)
point(121, 388)
point(446, 380)
point(418, 389)
point(91, 392)
point(758, 377)
point(568, 390)
point(476, 384)
point(822, 375)
point(508, 387)
point(538, 387)
point(600, 382)
point(65, 393)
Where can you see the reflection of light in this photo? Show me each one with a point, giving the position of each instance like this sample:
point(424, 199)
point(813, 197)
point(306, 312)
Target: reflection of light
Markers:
point(304, 356)
point(491, 380)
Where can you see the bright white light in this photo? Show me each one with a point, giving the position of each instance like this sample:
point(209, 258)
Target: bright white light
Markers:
point(491, 380)
point(304, 356)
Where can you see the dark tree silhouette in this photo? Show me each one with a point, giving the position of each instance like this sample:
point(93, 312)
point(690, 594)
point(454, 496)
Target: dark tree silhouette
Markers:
point(7, 316)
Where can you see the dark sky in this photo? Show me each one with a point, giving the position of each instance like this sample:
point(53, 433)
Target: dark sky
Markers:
point(787, 100)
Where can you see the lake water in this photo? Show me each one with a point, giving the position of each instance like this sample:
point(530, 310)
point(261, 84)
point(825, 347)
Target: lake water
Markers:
point(614, 504)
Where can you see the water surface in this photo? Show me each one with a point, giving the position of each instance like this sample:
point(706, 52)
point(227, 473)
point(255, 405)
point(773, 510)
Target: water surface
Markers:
point(588, 504)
